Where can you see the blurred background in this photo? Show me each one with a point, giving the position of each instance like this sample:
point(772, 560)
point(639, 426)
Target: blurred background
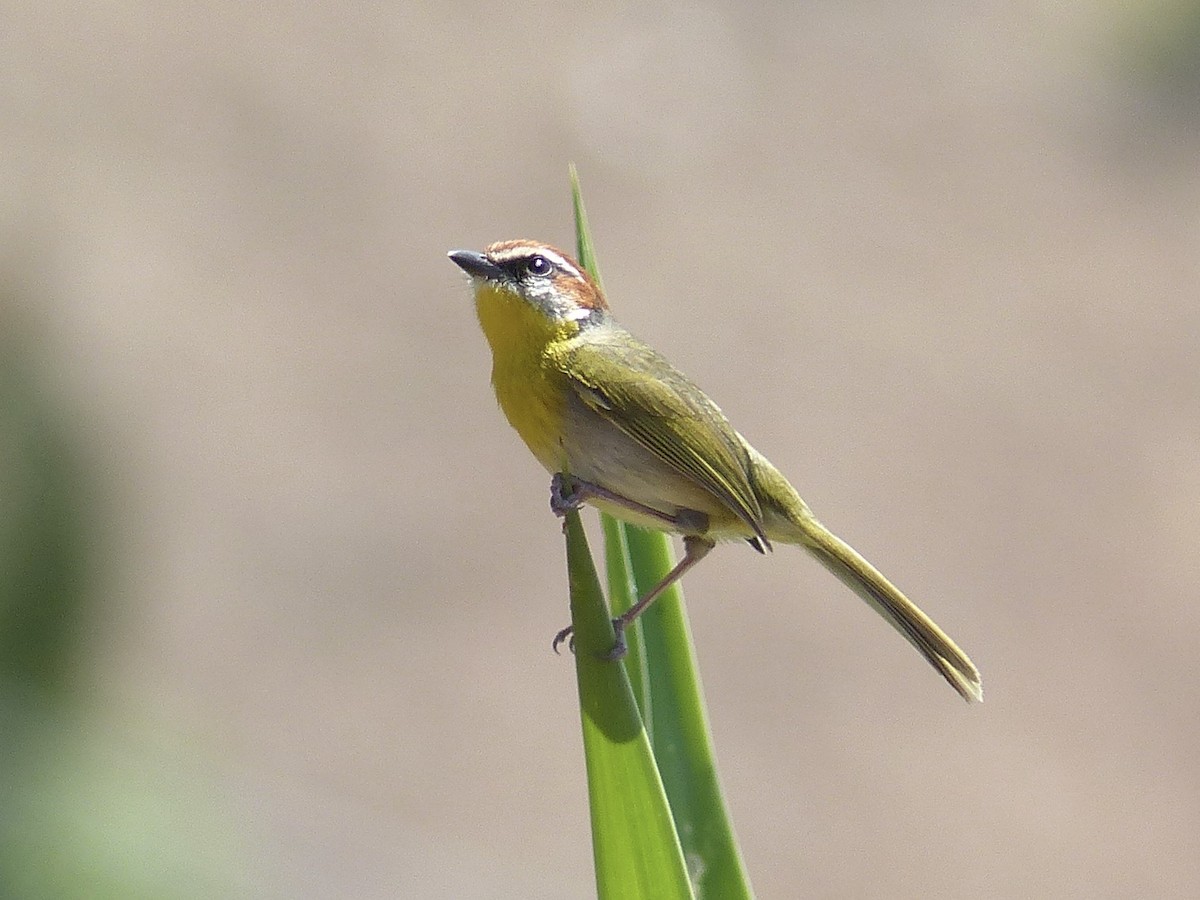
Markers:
point(278, 582)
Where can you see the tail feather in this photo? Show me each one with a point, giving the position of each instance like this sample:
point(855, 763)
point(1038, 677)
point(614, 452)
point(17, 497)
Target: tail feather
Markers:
point(921, 631)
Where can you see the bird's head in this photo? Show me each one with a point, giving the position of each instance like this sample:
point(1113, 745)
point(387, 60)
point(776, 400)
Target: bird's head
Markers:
point(542, 276)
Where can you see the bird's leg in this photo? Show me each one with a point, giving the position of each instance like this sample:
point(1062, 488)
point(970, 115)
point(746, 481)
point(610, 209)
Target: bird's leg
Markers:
point(568, 492)
point(695, 548)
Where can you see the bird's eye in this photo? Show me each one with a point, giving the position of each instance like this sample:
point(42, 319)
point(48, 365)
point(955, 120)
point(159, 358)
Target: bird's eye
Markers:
point(538, 265)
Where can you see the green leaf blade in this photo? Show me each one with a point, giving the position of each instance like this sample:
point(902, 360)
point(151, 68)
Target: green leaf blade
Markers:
point(665, 681)
point(635, 848)
point(680, 733)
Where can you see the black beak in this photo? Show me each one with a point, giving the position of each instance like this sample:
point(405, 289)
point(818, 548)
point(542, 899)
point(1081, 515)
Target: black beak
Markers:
point(477, 265)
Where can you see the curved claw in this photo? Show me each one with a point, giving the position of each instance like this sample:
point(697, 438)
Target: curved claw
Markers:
point(567, 634)
point(619, 647)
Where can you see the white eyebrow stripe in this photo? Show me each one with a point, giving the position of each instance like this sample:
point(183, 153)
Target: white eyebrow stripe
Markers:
point(525, 251)
point(559, 261)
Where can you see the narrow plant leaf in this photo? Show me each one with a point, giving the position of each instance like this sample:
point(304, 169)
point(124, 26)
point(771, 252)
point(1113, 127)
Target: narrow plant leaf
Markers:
point(679, 731)
point(622, 592)
point(634, 845)
point(662, 668)
point(585, 250)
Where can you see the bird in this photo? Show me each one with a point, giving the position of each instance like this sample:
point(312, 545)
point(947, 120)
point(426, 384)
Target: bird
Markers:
point(623, 430)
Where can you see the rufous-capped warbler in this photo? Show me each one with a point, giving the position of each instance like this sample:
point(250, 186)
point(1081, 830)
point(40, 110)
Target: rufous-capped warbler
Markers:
point(623, 430)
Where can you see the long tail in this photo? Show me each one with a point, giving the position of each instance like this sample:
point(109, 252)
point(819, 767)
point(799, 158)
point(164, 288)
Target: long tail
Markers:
point(867, 581)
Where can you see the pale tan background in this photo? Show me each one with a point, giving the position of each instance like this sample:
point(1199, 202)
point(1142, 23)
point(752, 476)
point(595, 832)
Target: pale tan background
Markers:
point(942, 264)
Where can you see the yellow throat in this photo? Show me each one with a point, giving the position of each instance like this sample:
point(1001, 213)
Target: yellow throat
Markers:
point(530, 390)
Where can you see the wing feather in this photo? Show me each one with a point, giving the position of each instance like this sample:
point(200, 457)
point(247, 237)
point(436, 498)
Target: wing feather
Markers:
point(648, 399)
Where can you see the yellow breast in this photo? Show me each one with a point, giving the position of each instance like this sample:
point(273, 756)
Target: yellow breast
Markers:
point(530, 390)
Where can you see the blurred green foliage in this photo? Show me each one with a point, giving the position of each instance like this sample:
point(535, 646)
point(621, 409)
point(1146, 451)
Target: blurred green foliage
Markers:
point(44, 565)
point(1161, 40)
point(43, 560)
point(88, 809)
